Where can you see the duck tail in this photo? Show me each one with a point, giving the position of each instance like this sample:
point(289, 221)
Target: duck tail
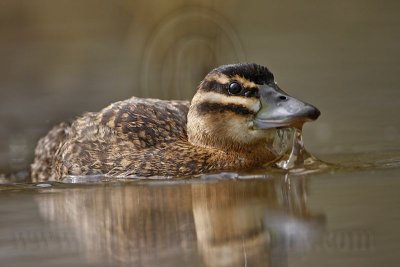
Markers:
point(45, 153)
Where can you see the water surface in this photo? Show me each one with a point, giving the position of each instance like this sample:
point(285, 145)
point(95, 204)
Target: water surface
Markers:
point(343, 216)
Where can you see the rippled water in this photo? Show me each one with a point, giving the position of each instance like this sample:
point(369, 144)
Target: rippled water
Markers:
point(344, 213)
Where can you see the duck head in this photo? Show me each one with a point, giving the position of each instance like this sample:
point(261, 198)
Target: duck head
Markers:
point(240, 106)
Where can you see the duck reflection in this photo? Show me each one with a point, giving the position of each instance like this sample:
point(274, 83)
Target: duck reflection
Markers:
point(223, 223)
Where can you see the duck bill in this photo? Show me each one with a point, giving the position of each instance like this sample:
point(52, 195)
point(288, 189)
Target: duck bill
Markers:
point(279, 109)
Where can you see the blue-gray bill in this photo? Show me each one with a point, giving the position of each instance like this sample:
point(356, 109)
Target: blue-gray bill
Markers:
point(278, 109)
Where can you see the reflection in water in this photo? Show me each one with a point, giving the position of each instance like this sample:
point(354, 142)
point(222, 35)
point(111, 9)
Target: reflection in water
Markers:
point(224, 223)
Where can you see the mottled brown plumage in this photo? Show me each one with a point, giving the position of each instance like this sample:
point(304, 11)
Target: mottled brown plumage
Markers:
point(150, 137)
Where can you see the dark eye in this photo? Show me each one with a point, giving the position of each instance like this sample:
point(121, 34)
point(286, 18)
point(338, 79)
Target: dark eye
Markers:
point(235, 88)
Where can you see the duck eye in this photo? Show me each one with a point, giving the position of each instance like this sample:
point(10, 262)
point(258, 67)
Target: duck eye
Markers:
point(234, 88)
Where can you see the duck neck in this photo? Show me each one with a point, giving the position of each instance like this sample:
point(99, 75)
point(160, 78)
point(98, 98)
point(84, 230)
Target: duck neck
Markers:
point(202, 134)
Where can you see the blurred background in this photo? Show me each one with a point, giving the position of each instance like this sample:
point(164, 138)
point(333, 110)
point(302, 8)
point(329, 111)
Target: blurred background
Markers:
point(60, 58)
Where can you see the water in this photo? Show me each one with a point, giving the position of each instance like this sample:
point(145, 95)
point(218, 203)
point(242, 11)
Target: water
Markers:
point(307, 214)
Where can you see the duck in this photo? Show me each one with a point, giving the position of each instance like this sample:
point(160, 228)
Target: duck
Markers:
point(229, 125)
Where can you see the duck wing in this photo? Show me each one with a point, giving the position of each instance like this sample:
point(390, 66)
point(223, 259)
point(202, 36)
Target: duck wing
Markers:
point(147, 122)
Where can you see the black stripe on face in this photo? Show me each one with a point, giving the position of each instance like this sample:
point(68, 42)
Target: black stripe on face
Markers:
point(208, 107)
point(214, 86)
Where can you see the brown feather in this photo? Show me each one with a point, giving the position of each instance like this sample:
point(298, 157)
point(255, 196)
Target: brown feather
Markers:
point(150, 137)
